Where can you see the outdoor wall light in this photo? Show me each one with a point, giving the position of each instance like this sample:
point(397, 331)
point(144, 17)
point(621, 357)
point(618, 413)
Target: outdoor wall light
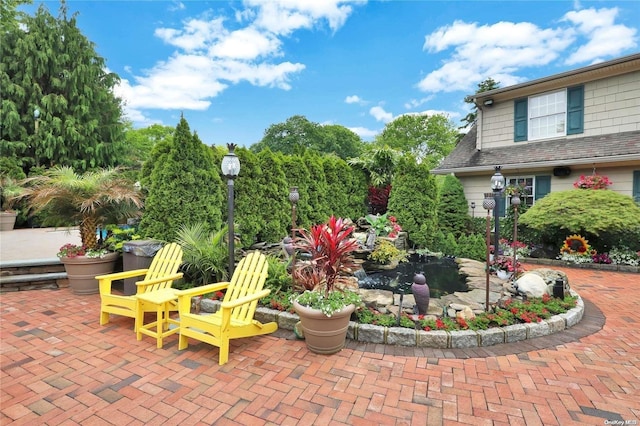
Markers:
point(488, 102)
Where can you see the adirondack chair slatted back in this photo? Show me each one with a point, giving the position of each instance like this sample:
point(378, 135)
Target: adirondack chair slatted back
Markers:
point(165, 263)
point(248, 278)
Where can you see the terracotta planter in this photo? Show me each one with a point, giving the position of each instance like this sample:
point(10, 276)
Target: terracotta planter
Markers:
point(323, 334)
point(7, 221)
point(82, 270)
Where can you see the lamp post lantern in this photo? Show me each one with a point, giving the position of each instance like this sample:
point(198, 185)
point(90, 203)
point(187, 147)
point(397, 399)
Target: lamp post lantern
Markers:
point(230, 170)
point(473, 209)
point(36, 117)
point(497, 185)
point(488, 203)
point(294, 196)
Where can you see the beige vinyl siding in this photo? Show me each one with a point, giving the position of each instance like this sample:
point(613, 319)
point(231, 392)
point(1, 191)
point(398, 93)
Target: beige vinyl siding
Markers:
point(611, 105)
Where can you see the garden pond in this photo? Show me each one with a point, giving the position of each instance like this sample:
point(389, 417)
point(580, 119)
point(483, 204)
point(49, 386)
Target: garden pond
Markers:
point(442, 274)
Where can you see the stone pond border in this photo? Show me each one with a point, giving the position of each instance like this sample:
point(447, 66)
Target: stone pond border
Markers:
point(368, 333)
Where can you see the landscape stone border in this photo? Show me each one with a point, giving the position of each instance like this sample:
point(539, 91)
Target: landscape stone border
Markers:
point(368, 333)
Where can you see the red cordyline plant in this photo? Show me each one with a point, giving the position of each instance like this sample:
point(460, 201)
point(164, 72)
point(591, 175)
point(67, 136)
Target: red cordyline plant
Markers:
point(331, 248)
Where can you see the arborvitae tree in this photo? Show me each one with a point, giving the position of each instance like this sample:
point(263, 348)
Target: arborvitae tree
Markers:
point(452, 206)
point(274, 198)
point(336, 172)
point(413, 201)
point(318, 189)
point(449, 244)
point(357, 192)
point(184, 188)
point(472, 246)
point(249, 200)
point(47, 64)
point(298, 175)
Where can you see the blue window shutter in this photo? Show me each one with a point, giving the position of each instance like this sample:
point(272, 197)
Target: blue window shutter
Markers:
point(636, 186)
point(575, 110)
point(543, 187)
point(520, 119)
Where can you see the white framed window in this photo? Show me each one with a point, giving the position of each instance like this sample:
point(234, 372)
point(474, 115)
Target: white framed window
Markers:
point(523, 181)
point(548, 115)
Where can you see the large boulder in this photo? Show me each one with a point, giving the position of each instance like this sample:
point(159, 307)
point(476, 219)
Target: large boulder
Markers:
point(531, 285)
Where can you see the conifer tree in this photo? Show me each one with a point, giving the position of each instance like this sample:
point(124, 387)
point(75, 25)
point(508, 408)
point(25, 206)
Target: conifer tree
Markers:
point(413, 201)
point(273, 204)
point(47, 64)
point(184, 187)
point(298, 175)
point(452, 206)
point(249, 198)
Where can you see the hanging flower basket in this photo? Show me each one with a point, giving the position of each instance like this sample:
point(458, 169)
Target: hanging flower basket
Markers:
point(594, 181)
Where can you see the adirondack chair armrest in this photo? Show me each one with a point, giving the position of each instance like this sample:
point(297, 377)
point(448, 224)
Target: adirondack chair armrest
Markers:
point(142, 284)
point(105, 281)
point(244, 300)
point(122, 275)
point(203, 289)
point(184, 296)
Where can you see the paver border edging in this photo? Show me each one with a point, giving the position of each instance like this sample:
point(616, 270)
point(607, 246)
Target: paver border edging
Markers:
point(464, 339)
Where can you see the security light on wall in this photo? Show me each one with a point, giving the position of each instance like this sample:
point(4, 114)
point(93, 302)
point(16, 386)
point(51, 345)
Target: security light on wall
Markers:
point(488, 102)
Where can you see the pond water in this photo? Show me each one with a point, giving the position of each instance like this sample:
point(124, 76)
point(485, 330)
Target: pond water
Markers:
point(442, 276)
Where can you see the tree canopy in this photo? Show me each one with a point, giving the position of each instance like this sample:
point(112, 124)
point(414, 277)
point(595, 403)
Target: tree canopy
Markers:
point(429, 138)
point(298, 134)
point(483, 86)
point(48, 65)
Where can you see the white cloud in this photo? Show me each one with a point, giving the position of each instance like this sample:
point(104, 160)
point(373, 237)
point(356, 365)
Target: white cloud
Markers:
point(363, 132)
point(500, 50)
point(380, 114)
point(210, 57)
point(605, 37)
point(354, 99)
point(176, 5)
point(195, 35)
point(414, 103)
point(282, 17)
point(247, 43)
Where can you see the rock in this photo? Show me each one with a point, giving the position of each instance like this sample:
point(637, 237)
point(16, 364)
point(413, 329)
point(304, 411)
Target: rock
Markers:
point(550, 275)
point(376, 298)
point(531, 285)
point(466, 314)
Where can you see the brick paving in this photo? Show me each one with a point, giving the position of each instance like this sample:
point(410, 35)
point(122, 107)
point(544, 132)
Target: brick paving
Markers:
point(60, 367)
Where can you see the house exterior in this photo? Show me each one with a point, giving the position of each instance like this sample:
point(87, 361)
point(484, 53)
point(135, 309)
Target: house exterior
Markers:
point(547, 132)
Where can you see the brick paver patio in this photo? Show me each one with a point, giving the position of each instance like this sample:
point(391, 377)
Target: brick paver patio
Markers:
point(59, 366)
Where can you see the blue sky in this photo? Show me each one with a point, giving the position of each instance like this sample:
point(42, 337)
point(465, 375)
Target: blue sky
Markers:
point(235, 68)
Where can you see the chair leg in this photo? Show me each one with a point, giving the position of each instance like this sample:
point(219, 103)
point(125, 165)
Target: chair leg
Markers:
point(223, 357)
point(183, 342)
point(104, 318)
point(139, 320)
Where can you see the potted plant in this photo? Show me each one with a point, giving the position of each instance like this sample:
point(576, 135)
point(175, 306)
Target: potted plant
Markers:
point(10, 190)
point(326, 304)
point(505, 268)
point(88, 200)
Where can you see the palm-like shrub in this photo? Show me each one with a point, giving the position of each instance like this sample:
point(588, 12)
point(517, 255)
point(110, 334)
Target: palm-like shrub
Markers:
point(205, 254)
point(87, 200)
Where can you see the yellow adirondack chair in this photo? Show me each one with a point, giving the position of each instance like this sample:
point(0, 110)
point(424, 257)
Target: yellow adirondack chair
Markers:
point(160, 275)
point(235, 318)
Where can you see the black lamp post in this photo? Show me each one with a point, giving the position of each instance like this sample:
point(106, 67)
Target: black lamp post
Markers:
point(515, 202)
point(231, 169)
point(497, 185)
point(36, 117)
point(473, 209)
point(294, 196)
point(488, 203)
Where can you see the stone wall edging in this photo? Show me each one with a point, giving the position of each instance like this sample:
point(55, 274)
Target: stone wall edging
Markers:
point(597, 266)
point(369, 333)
